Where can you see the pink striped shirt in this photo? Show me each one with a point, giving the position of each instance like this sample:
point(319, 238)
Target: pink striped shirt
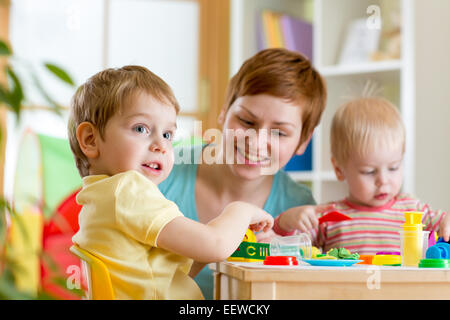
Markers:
point(372, 229)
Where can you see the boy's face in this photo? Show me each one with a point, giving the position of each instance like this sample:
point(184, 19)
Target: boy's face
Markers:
point(138, 138)
point(375, 179)
point(263, 152)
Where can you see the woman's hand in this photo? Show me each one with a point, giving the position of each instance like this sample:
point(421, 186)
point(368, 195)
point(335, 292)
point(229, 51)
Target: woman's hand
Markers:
point(303, 218)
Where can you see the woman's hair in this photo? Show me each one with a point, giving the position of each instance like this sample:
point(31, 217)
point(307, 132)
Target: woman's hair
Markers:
point(104, 94)
point(364, 125)
point(284, 74)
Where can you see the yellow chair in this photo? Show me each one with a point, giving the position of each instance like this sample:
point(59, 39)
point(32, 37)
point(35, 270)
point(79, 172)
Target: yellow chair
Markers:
point(98, 279)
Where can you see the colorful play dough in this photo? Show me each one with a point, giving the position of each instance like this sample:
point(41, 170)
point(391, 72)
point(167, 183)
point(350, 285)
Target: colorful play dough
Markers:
point(315, 251)
point(342, 253)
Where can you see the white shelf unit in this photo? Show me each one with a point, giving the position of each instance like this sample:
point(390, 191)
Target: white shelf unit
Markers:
point(330, 19)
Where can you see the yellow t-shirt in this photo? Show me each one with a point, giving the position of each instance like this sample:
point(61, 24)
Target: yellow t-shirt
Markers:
point(120, 221)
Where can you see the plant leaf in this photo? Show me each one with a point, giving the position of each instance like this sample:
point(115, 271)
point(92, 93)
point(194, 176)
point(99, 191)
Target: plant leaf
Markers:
point(57, 108)
point(8, 291)
point(60, 73)
point(4, 49)
point(5, 207)
point(4, 96)
point(9, 100)
point(16, 95)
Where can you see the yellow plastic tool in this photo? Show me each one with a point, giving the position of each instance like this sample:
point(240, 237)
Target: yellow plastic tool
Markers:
point(413, 220)
point(98, 279)
point(412, 241)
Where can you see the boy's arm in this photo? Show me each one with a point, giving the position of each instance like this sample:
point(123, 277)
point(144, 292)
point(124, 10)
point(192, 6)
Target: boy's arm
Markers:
point(217, 240)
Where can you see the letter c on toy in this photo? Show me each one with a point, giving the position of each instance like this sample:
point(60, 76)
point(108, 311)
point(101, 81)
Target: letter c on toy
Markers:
point(253, 251)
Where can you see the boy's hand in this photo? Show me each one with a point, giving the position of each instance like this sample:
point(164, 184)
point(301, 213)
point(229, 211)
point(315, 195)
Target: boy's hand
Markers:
point(444, 227)
point(303, 218)
point(261, 220)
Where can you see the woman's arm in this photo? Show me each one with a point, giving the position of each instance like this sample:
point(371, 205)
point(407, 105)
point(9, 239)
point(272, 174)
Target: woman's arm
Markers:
point(196, 268)
point(217, 240)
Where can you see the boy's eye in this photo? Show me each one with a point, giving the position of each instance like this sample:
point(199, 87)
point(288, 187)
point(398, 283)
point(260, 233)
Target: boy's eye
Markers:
point(368, 172)
point(141, 129)
point(393, 169)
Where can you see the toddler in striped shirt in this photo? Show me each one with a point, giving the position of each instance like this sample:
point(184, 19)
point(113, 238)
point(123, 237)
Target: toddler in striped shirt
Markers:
point(367, 147)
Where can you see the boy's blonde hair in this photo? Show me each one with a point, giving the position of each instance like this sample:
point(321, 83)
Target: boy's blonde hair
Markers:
point(364, 125)
point(284, 74)
point(104, 94)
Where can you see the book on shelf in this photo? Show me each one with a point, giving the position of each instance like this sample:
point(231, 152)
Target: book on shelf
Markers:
point(278, 32)
point(275, 30)
point(298, 35)
point(270, 27)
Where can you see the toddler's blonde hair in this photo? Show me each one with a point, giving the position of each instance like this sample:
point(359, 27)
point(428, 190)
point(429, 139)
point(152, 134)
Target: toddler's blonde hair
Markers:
point(364, 125)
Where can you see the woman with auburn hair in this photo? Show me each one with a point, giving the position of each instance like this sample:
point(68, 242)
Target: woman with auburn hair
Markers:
point(272, 106)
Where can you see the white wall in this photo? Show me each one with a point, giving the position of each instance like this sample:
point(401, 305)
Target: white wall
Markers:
point(432, 50)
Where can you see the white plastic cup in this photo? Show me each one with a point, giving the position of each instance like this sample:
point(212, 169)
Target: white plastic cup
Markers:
point(298, 245)
point(414, 245)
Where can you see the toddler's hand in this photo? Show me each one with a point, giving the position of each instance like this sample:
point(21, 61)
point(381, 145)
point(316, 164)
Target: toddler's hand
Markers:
point(444, 227)
point(303, 218)
point(261, 220)
point(266, 237)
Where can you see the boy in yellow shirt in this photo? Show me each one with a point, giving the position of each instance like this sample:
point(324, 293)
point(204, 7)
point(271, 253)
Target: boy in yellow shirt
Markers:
point(121, 126)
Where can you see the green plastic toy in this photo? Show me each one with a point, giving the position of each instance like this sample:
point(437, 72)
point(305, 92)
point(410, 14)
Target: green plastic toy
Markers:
point(250, 251)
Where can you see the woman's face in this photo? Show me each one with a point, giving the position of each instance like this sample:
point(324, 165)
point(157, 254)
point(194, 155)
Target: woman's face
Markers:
point(260, 134)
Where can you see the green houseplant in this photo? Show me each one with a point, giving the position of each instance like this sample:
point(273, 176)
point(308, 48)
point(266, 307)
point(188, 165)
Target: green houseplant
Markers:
point(14, 99)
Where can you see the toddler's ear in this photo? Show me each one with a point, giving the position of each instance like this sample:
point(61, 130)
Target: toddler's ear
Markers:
point(87, 136)
point(337, 170)
point(302, 147)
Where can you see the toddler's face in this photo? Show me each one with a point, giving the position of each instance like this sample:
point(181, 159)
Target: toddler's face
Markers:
point(375, 179)
point(262, 113)
point(139, 137)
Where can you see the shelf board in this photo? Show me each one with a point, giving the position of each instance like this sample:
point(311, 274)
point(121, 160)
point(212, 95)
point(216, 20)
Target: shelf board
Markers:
point(370, 67)
point(312, 175)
